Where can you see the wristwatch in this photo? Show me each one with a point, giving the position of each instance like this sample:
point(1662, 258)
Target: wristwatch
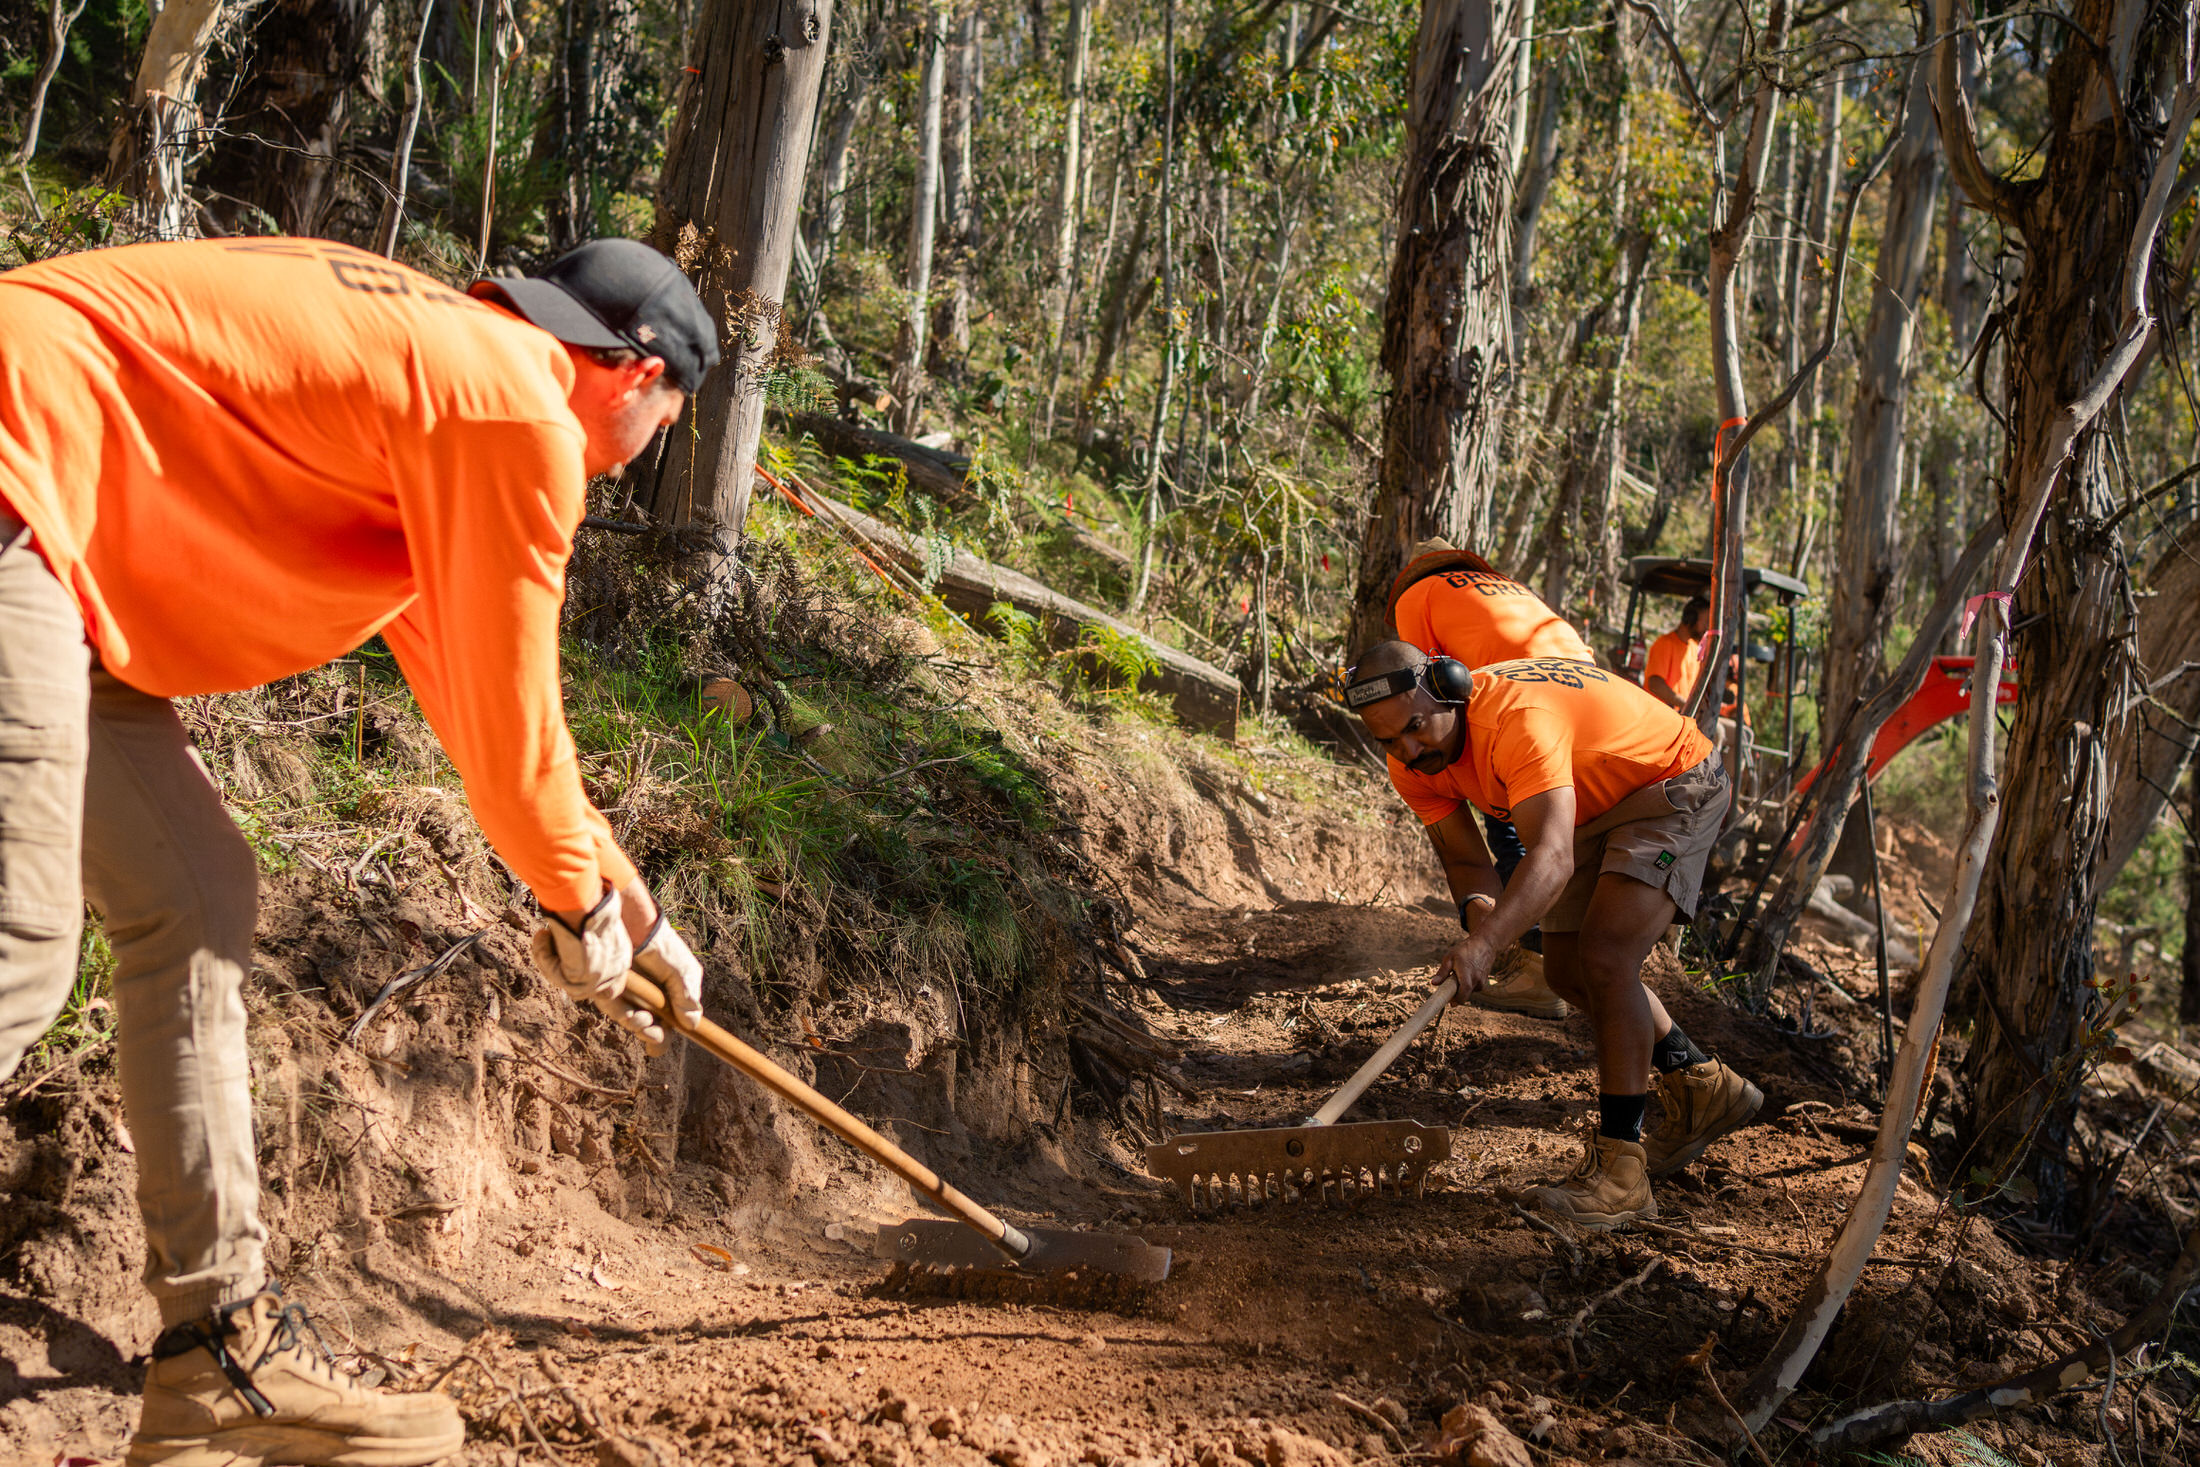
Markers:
point(1487, 901)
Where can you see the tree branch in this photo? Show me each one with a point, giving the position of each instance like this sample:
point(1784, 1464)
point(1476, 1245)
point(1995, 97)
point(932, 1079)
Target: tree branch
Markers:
point(1801, 378)
point(1988, 191)
point(1663, 29)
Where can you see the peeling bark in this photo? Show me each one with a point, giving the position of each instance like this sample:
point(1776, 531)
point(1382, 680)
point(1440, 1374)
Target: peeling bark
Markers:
point(1446, 315)
point(726, 211)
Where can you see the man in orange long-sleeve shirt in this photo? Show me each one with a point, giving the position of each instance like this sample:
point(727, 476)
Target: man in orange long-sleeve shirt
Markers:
point(1619, 802)
point(224, 462)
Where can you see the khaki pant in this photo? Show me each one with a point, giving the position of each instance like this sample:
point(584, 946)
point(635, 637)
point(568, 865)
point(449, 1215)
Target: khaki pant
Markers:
point(1662, 835)
point(102, 797)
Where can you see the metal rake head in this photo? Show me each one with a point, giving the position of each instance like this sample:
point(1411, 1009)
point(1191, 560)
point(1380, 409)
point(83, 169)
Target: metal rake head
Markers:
point(1289, 1164)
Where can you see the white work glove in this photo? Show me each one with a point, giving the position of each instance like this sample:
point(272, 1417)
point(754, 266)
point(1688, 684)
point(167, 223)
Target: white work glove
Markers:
point(591, 966)
point(590, 963)
point(664, 958)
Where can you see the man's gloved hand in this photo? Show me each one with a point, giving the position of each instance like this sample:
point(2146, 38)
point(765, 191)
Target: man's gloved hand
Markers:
point(590, 963)
point(664, 957)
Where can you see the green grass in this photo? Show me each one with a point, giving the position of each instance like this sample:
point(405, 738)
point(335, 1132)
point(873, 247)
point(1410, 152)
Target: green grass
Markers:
point(88, 1015)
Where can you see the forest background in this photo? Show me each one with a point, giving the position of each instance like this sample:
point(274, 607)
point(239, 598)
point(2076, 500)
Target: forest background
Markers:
point(1142, 299)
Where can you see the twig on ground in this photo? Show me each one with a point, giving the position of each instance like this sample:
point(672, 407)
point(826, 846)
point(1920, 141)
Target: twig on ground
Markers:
point(1581, 1315)
point(496, 1381)
point(59, 1068)
point(574, 1080)
point(1552, 1228)
point(1389, 1429)
point(1894, 1421)
point(390, 990)
point(1702, 1359)
point(1780, 1253)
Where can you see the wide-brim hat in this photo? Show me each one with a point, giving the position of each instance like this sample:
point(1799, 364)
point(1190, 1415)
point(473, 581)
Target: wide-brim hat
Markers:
point(1431, 557)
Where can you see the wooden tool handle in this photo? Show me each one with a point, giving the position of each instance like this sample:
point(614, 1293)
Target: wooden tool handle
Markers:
point(1011, 1241)
point(1381, 1059)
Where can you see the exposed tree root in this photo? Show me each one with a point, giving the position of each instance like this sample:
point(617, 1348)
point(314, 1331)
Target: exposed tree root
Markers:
point(1895, 1421)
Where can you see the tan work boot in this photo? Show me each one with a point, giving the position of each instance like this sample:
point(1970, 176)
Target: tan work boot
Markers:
point(1702, 1103)
point(254, 1384)
point(1609, 1187)
point(1520, 989)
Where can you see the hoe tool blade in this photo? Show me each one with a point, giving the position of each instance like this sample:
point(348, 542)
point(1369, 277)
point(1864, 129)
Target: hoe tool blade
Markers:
point(928, 1242)
point(1319, 1161)
point(974, 1235)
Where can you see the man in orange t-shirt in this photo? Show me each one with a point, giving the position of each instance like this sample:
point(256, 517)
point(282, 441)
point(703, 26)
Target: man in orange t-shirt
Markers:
point(1619, 801)
point(1452, 603)
point(224, 462)
point(1676, 659)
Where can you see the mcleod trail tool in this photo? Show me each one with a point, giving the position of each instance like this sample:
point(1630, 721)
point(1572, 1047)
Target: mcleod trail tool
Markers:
point(976, 1238)
point(1320, 1160)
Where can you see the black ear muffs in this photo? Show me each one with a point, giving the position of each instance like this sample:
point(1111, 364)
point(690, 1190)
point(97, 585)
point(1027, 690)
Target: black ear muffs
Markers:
point(1448, 680)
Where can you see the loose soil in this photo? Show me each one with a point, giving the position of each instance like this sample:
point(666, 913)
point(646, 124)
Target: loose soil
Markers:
point(691, 1315)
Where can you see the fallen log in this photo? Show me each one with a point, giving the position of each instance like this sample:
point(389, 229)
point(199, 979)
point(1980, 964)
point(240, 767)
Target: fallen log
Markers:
point(1205, 696)
point(932, 471)
point(935, 471)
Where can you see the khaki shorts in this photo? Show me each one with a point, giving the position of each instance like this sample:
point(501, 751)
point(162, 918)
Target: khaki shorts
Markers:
point(1661, 835)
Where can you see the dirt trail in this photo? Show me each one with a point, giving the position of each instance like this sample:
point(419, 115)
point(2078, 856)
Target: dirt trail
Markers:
point(1289, 1337)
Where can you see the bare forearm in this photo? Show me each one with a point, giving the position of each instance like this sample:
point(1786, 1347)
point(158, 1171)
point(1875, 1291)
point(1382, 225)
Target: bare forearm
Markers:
point(1536, 883)
point(1468, 880)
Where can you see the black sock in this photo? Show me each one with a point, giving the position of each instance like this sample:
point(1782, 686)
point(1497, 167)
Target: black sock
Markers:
point(1621, 1116)
point(1532, 940)
point(1676, 1051)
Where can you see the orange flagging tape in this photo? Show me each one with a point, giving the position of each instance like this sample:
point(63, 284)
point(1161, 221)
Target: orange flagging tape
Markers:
point(784, 492)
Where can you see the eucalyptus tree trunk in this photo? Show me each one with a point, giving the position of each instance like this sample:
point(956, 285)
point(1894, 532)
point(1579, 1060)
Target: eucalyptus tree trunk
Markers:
point(2031, 949)
point(1538, 165)
point(832, 172)
point(1157, 438)
point(1811, 289)
point(2188, 989)
point(1445, 316)
point(589, 119)
point(1600, 519)
point(2160, 747)
point(146, 156)
point(61, 17)
point(726, 210)
point(2049, 428)
point(1733, 209)
point(1066, 202)
point(908, 378)
point(950, 341)
point(1129, 288)
point(1868, 554)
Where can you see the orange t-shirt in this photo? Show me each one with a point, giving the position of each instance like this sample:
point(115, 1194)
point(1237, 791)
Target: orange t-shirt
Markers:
point(1480, 617)
point(245, 457)
point(1542, 724)
point(1678, 658)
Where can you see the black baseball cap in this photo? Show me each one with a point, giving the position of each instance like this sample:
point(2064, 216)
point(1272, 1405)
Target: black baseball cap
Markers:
point(614, 293)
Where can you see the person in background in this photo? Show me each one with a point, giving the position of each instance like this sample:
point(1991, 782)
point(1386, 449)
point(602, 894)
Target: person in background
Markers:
point(1676, 659)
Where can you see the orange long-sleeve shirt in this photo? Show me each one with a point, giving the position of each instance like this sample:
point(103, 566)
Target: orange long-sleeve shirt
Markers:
point(245, 457)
